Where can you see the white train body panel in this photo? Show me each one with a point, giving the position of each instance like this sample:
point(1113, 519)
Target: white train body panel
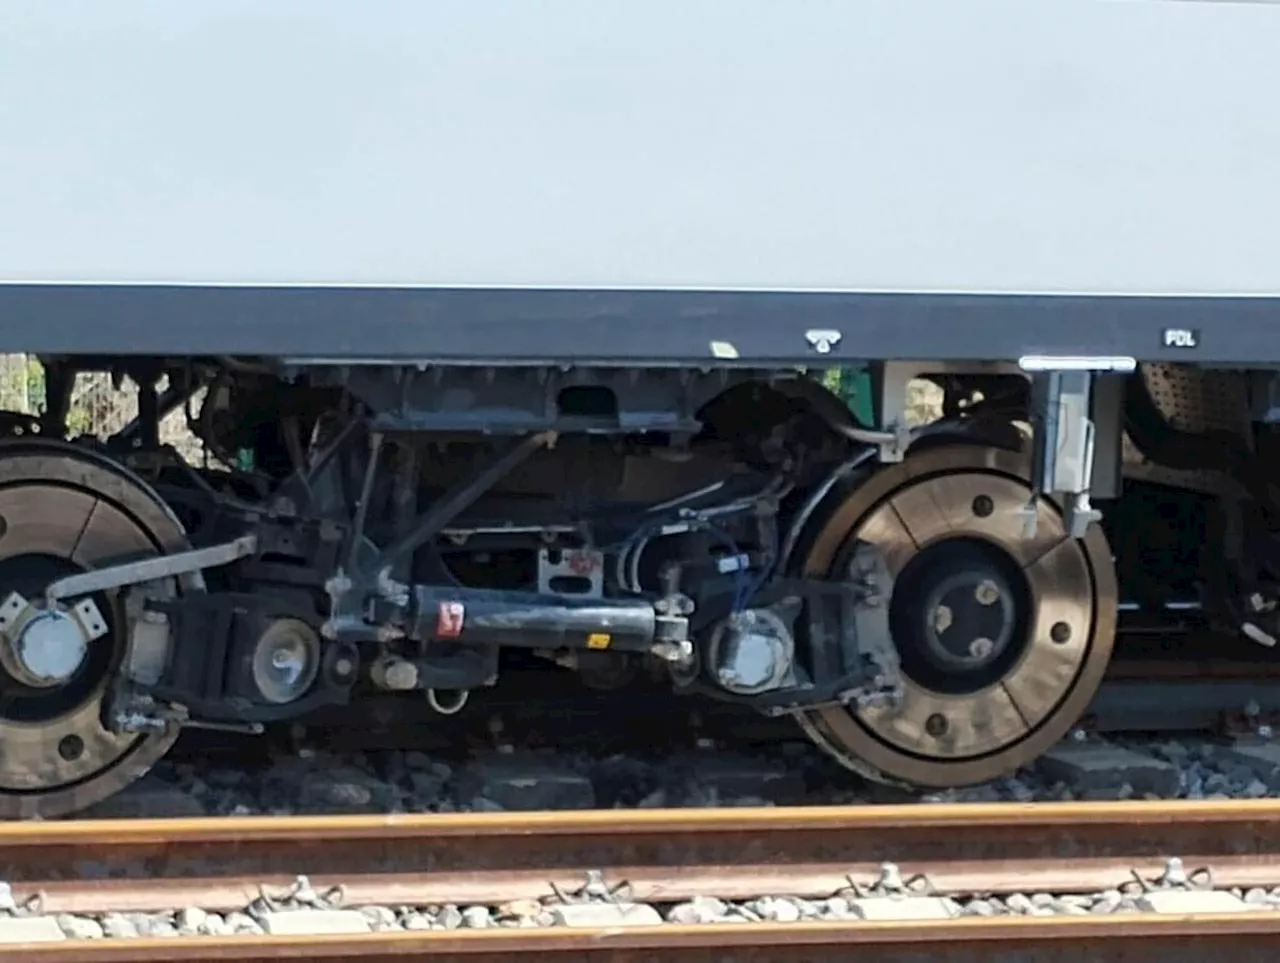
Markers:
point(1106, 146)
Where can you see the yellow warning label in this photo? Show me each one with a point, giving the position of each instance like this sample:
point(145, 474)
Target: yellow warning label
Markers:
point(599, 640)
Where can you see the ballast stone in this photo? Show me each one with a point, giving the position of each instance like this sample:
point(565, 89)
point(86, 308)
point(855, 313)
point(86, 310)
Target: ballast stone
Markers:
point(149, 798)
point(1094, 768)
point(80, 927)
point(1260, 758)
point(701, 909)
point(379, 917)
point(344, 789)
point(525, 782)
point(734, 776)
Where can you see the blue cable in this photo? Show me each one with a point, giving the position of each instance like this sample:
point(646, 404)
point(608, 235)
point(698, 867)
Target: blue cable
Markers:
point(742, 586)
point(766, 569)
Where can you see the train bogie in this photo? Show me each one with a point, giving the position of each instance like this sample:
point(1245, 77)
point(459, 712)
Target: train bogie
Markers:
point(933, 597)
point(502, 330)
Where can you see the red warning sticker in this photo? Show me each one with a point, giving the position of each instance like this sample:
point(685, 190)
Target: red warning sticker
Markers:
point(581, 563)
point(449, 621)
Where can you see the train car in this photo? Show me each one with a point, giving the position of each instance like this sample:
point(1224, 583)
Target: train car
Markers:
point(504, 329)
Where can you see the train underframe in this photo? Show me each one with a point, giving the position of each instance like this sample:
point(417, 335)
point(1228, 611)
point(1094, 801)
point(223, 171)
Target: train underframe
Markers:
point(933, 597)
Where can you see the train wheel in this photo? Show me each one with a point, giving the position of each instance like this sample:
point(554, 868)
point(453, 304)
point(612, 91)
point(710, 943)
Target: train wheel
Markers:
point(62, 511)
point(1003, 640)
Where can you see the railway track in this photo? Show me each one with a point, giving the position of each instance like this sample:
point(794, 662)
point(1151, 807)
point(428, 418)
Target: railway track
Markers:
point(1053, 882)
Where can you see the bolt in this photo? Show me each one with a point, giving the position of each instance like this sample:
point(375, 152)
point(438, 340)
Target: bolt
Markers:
point(981, 648)
point(390, 633)
point(942, 618)
point(936, 725)
point(343, 667)
point(1175, 874)
point(71, 748)
point(397, 675)
point(284, 506)
point(987, 593)
point(983, 506)
point(1060, 633)
point(677, 653)
point(890, 880)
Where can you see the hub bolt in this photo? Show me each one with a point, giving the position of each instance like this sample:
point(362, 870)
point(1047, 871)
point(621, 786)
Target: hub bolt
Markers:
point(987, 593)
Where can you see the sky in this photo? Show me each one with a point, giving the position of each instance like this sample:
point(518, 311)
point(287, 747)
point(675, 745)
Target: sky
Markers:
point(1062, 145)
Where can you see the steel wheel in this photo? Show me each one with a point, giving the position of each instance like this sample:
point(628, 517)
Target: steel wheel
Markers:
point(63, 510)
point(1003, 640)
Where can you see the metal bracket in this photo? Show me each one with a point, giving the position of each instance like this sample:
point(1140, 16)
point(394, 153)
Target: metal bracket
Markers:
point(869, 571)
point(595, 889)
point(151, 569)
point(890, 882)
point(579, 566)
point(300, 893)
point(895, 432)
point(455, 501)
point(1061, 396)
point(16, 612)
point(1175, 877)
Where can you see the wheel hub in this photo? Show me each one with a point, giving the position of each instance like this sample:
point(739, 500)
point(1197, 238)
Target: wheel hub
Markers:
point(961, 627)
point(49, 649)
point(1002, 639)
point(957, 613)
point(42, 648)
point(286, 660)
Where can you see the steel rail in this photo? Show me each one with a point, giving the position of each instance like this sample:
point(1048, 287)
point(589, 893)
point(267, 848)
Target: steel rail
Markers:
point(1243, 937)
point(655, 855)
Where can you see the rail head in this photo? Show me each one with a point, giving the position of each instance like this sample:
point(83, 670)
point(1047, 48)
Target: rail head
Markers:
point(1028, 816)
